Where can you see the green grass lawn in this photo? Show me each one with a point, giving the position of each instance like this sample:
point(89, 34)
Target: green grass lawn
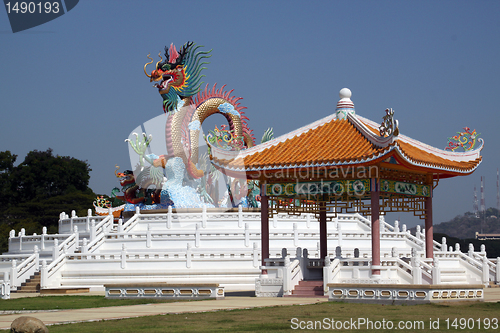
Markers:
point(281, 318)
point(69, 302)
point(354, 317)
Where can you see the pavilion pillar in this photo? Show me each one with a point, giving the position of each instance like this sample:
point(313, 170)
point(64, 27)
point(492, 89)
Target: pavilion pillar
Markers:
point(323, 240)
point(264, 226)
point(375, 216)
point(429, 230)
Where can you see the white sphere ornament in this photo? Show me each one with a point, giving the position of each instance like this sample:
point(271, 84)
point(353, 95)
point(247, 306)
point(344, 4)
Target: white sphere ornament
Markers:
point(345, 93)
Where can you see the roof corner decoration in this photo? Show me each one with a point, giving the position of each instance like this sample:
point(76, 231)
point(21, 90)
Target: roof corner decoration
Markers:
point(388, 130)
point(389, 126)
point(345, 106)
point(466, 140)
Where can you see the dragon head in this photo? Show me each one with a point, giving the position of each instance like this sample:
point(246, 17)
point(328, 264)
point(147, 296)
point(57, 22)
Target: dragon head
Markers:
point(126, 177)
point(178, 76)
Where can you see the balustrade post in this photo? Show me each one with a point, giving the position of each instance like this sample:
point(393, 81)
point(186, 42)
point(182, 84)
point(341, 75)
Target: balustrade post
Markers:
point(255, 258)
point(240, 216)
point(497, 275)
point(123, 257)
point(6, 286)
point(197, 236)
point(85, 246)
point(77, 237)
point(21, 234)
point(295, 235)
point(43, 274)
point(73, 215)
point(483, 249)
point(87, 221)
point(457, 247)
point(55, 249)
point(443, 244)
point(169, 217)
point(417, 232)
point(339, 230)
point(247, 235)
point(13, 273)
point(120, 226)
point(148, 236)
point(436, 273)
point(275, 221)
point(42, 238)
point(204, 216)
point(188, 256)
point(308, 220)
point(92, 231)
point(416, 271)
point(486, 271)
point(471, 250)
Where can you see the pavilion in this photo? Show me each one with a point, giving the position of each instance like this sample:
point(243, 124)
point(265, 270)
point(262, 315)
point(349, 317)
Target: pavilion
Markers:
point(345, 163)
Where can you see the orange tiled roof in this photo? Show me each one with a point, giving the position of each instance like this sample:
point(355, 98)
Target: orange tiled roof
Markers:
point(352, 141)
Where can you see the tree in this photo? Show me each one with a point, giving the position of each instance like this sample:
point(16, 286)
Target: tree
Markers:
point(43, 175)
point(35, 192)
point(7, 161)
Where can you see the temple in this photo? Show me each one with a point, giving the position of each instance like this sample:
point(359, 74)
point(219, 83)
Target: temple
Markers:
point(346, 163)
point(302, 214)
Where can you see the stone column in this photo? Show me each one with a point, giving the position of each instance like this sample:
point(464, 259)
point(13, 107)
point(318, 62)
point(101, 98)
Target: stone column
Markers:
point(429, 234)
point(375, 216)
point(323, 240)
point(264, 226)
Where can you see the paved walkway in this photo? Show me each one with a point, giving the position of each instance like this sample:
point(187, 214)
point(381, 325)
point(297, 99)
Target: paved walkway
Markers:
point(130, 311)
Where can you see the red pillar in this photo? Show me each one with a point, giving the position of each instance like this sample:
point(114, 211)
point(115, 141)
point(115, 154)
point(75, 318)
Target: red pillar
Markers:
point(323, 240)
point(429, 234)
point(375, 213)
point(264, 226)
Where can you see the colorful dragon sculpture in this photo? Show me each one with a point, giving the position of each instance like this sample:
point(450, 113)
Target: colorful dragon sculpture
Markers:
point(178, 80)
point(466, 140)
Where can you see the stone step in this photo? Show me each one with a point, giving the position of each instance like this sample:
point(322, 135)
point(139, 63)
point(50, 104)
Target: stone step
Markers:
point(308, 292)
point(299, 287)
point(311, 283)
point(308, 288)
point(32, 285)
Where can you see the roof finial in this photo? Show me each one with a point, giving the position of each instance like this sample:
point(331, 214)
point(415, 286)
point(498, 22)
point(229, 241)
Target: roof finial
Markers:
point(345, 105)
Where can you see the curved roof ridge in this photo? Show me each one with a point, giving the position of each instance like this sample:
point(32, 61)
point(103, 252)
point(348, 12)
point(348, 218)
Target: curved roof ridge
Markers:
point(282, 138)
point(449, 155)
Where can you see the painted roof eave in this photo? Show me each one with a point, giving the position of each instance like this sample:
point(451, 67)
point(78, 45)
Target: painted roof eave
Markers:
point(466, 156)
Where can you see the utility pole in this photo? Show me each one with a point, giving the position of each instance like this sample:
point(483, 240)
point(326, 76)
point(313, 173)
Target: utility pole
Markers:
point(483, 206)
point(475, 205)
point(498, 194)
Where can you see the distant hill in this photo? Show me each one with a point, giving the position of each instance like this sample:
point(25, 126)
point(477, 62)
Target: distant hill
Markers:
point(465, 226)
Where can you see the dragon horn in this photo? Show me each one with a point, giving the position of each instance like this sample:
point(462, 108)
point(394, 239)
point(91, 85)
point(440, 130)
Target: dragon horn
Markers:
point(161, 59)
point(148, 64)
point(117, 168)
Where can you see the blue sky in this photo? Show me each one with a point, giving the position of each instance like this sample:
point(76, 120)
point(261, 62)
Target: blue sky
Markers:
point(76, 84)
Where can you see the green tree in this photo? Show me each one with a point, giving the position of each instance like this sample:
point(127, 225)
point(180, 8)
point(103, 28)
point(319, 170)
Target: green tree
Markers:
point(43, 175)
point(7, 161)
point(36, 191)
